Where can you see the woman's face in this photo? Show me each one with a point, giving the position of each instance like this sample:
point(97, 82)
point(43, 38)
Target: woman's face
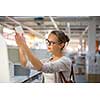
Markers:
point(53, 44)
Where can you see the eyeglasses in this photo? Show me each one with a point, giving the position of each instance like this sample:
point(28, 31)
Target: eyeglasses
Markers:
point(50, 42)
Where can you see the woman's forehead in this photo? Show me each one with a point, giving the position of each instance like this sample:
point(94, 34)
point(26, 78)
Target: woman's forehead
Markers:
point(52, 36)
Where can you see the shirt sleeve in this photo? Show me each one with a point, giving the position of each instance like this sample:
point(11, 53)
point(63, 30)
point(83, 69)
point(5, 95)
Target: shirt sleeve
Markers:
point(56, 66)
point(62, 64)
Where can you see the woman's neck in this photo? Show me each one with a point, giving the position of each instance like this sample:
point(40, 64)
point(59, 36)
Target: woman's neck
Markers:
point(57, 56)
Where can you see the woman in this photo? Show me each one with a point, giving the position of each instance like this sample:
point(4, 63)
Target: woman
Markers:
point(51, 67)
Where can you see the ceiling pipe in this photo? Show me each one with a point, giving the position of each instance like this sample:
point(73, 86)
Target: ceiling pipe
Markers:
point(30, 29)
point(68, 28)
point(54, 23)
point(34, 32)
point(13, 20)
point(6, 25)
point(86, 29)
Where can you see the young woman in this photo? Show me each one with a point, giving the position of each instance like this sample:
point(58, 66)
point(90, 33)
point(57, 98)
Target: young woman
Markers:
point(50, 67)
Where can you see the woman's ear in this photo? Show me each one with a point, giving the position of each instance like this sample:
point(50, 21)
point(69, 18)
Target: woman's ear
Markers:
point(62, 45)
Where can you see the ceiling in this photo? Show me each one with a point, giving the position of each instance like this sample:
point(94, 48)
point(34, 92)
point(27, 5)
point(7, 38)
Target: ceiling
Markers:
point(72, 25)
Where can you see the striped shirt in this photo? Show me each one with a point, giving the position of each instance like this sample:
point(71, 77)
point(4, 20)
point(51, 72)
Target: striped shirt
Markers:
point(50, 69)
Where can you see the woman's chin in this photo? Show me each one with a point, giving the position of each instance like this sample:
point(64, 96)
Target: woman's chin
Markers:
point(49, 50)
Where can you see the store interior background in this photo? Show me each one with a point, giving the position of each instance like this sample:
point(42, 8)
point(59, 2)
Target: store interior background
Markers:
point(84, 46)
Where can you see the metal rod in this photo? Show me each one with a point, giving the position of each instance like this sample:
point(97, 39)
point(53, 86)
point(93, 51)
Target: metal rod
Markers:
point(54, 23)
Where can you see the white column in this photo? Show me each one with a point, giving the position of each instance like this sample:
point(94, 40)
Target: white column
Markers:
point(91, 47)
point(4, 63)
point(81, 43)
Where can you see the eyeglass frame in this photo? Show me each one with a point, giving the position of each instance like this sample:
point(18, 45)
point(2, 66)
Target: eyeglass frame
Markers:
point(48, 42)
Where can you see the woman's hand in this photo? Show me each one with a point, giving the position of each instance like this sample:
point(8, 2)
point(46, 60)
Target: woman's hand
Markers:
point(34, 60)
point(20, 40)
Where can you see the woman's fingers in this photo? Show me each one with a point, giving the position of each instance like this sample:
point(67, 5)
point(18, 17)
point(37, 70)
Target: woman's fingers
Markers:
point(20, 40)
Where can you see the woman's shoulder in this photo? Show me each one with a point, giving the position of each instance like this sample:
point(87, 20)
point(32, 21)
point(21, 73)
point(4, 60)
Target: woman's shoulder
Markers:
point(62, 59)
point(65, 59)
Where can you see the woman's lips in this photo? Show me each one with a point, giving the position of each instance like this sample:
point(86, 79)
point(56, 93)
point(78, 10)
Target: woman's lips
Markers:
point(49, 48)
